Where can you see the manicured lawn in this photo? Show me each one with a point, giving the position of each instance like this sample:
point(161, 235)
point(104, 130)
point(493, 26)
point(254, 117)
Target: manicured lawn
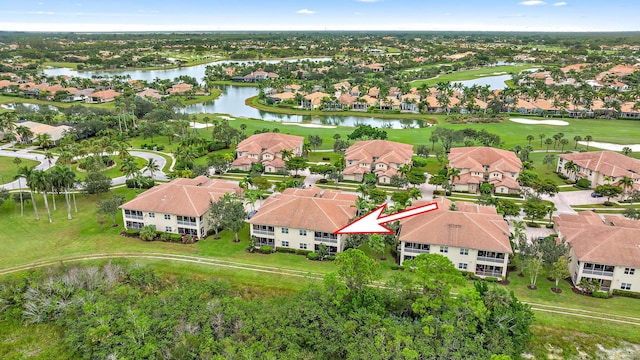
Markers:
point(13, 99)
point(9, 170)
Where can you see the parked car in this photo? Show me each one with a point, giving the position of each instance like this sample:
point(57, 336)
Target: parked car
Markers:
point(596, 195)
point(250, 215)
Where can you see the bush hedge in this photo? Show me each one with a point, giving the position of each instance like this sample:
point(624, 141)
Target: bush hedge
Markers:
point(132, 232)
point(625, 293)
point(583, 184)
point(490, 279)
point(302, 252)
point(312, 256)
point(533, 224)
point(397, 267)
point(600, 294)
point(145, 183)
point(265, 249)
point(549, 226)
point(286, 250)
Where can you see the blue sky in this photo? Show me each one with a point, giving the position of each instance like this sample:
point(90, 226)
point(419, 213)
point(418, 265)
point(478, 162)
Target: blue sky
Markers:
point(185, 15)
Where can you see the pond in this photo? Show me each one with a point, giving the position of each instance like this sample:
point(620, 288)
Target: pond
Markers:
point(232, 102)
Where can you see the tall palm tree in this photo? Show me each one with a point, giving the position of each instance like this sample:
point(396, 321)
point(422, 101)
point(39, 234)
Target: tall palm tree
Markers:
point(452, 175)
point(541, 136)
point(129, 167)
point(530, 138)
point(577, 139)
point(588, 139)
point(570, 167)
point(42, 183)
point(26, 172)
point(286, 154)
point(626, 183)
point(63, 179)
point(44, 140)
point(152, 166)
point(18, 161)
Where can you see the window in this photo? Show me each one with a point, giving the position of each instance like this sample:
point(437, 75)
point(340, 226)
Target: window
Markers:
point(462, 266)
point(464, 251)
point(303, 246)
point(444, 249)
point(285, 244)
point(167, 228)
point(285, 230)
point(152, 215)
point(625, 286)
point(167, 217)
point(629, 271)
point(303, 232)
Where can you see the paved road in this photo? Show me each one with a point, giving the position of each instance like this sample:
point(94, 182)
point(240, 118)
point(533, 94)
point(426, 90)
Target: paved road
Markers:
point(44, 165)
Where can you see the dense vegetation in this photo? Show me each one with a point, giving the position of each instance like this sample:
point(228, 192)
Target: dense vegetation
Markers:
point(121, 311)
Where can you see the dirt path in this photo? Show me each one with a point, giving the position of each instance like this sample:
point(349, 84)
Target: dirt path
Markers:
point(288, 272)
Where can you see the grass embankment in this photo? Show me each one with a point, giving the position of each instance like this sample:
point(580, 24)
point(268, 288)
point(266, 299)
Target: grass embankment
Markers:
point(9, 170)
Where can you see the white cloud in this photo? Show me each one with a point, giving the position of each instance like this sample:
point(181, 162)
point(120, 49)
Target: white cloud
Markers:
point(561, 3)
point(305, 11)
point(532, 3)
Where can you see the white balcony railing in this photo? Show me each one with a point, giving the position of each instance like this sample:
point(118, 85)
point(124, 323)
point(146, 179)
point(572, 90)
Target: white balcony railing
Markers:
point(491, 259)
point(263, 232)
point(136, 217)
point(598, 272)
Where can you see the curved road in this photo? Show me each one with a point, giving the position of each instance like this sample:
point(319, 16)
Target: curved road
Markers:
point(44, 165)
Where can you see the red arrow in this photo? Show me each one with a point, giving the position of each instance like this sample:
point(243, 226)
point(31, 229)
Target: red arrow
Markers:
point(372, 222)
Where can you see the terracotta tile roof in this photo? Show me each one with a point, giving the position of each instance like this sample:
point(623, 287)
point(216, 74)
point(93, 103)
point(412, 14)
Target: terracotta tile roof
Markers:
point(305, 212)
point(106, 94)
point(608, 163)
point(385, 151)
point(188, 197)
point(283, 96)
point(475, 158)
point(598, 242)
point(472, 226)
point(311, 191)
point(273, 142)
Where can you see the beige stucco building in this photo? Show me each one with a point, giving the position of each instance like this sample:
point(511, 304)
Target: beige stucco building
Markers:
point(303, 219)
point(266, 149)
point(600, 167)
point(605, 249)
point(480, 164)
point(180, 206)
point(380, 157)
point(475, 238)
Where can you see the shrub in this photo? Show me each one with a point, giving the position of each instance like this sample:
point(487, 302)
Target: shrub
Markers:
point(265, 249)
point(312, 256)
point(608, 203)
point(160, 147)
point(600, 294)
point(165, 236)
point(397, 267)
point(302, 252)
point(330, 257)
point(491, 279)
point(533, 224)
point(286, 250)
point(145, 183)
point(176, 237)
point(583, 184)
point(561, 175)
point(625, 293)
point(419, 161)
point(132, 232)
point(549, 226)
point(322, 181)
point(215, 145)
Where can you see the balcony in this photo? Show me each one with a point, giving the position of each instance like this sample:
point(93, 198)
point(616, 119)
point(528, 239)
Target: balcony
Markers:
point(597, 272)
point(418, 251)
point(495, 274)
point(263, 232)
point(491, 259)
point(325, 239)
point(136, 217)
point(187, 223)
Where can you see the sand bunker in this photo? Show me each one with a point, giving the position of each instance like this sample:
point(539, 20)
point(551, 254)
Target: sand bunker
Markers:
point(311, 125)
point(539, 122)
point(610, 146)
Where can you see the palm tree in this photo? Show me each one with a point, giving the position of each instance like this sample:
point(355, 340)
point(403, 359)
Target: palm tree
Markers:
point(541, 136)
point(626, 183)
point(588, 139)
point(452, 174)
point(626, 150)
point(18, 161)
point(286, 154)
point(49, 156)
point(570, 167)
point(44, 140)
point(563, 142)
point(63, 179)
point(25, 133)
point(548, 142)
point(152, 166)
point(415, 193)
point(26, 172)
point(577, 139)
point(129, 167)
point(41, 181)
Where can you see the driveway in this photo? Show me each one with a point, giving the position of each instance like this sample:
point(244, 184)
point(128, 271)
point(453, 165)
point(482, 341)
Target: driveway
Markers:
point(23, 154)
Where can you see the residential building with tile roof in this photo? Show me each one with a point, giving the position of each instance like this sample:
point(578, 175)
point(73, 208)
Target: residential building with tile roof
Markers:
point(381, 157)
point(601, 167)
point(481, 164)
point(266, 149)
point(180, 206)
point(602, 248)
point(303, 219)
point(475, 238)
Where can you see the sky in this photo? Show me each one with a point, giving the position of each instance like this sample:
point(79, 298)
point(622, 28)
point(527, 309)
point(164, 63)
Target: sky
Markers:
point(345, 15)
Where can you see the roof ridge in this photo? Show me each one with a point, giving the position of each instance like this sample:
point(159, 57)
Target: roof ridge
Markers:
point(184, 188)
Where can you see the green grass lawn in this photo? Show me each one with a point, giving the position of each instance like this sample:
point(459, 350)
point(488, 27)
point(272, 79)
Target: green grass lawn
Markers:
point(14, 99)
point(9, 170)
